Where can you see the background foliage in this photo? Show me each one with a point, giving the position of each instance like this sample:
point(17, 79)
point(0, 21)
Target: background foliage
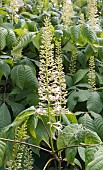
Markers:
point(82, 55)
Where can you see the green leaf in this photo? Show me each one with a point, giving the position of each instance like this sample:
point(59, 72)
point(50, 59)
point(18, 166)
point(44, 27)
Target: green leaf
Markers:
point(3, 35)
point(71, 117)
point(4, 69)
point(70, 154)
point(87, 121)
point(16, 107)
point(25, 113)
point(42, 129)
point(69, 80)
point(36, 41)
point(31, 125)
point(88, 34)
point(91, 137)
point(97, 163)
point(67, 138)
point(89, 154)
point(74, 32)
point(33, 98)
point(81, 152)
point(11, 38)
point(31, 79)
point(2, 151)
point(79, 75)
point(69, 47)
point(89, 51)
point(98, 123)
point(18, 76)
point(20, 118)
point(83, 95)
point(94, 102)
point(72, 100)
point(25, 40)
point(68, 135)
point(5, 118)
point(81, 58)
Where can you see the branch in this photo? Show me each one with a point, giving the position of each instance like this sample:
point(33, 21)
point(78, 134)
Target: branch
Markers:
point(25, 143)
point(81, 144)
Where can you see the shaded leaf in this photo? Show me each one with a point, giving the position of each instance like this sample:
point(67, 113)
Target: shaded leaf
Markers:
point(79, 75)
point(94, 102)
point(5, 118)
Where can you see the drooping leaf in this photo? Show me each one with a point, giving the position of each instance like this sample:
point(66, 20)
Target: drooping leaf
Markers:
point(31, 125)
point(91, 137)
point(89, 154)
point(72, 100)
point(81, 152)
point(18, 76)
point(89, 34)
point(89, 51)
point(81, 58)
point(33, 98)
point(94, 102)
point(2, 151)
point(36, 41)
point(87, 121)
point(31, 79)
point(3, 35)
point(25, 40)
point(70, 136)
point(97, 162)
point(4, 69)
point(42, 130)
point(82, 95)
point(20, 118)
point(74, 32)
point(16, 107)
point(75, 134)
point(79, 75)
point(5, 118)
point(98, 123)
point(11, 38)
point(69, 47)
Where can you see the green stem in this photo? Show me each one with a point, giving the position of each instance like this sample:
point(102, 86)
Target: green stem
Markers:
point(48, 163)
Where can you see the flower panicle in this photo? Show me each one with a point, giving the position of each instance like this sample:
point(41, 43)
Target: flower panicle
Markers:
point(51, 76)
point(72, 66)
point(92, 10)
point(92, 74)
point(67, 12)
point(60, 75)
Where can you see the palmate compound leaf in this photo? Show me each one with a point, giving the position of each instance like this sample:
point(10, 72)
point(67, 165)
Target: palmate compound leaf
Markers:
point(97, 162)
point(74, 135)
point(70, 136)
point(94, 102)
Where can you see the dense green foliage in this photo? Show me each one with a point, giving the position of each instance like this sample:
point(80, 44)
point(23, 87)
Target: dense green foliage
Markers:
point(72, 139)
